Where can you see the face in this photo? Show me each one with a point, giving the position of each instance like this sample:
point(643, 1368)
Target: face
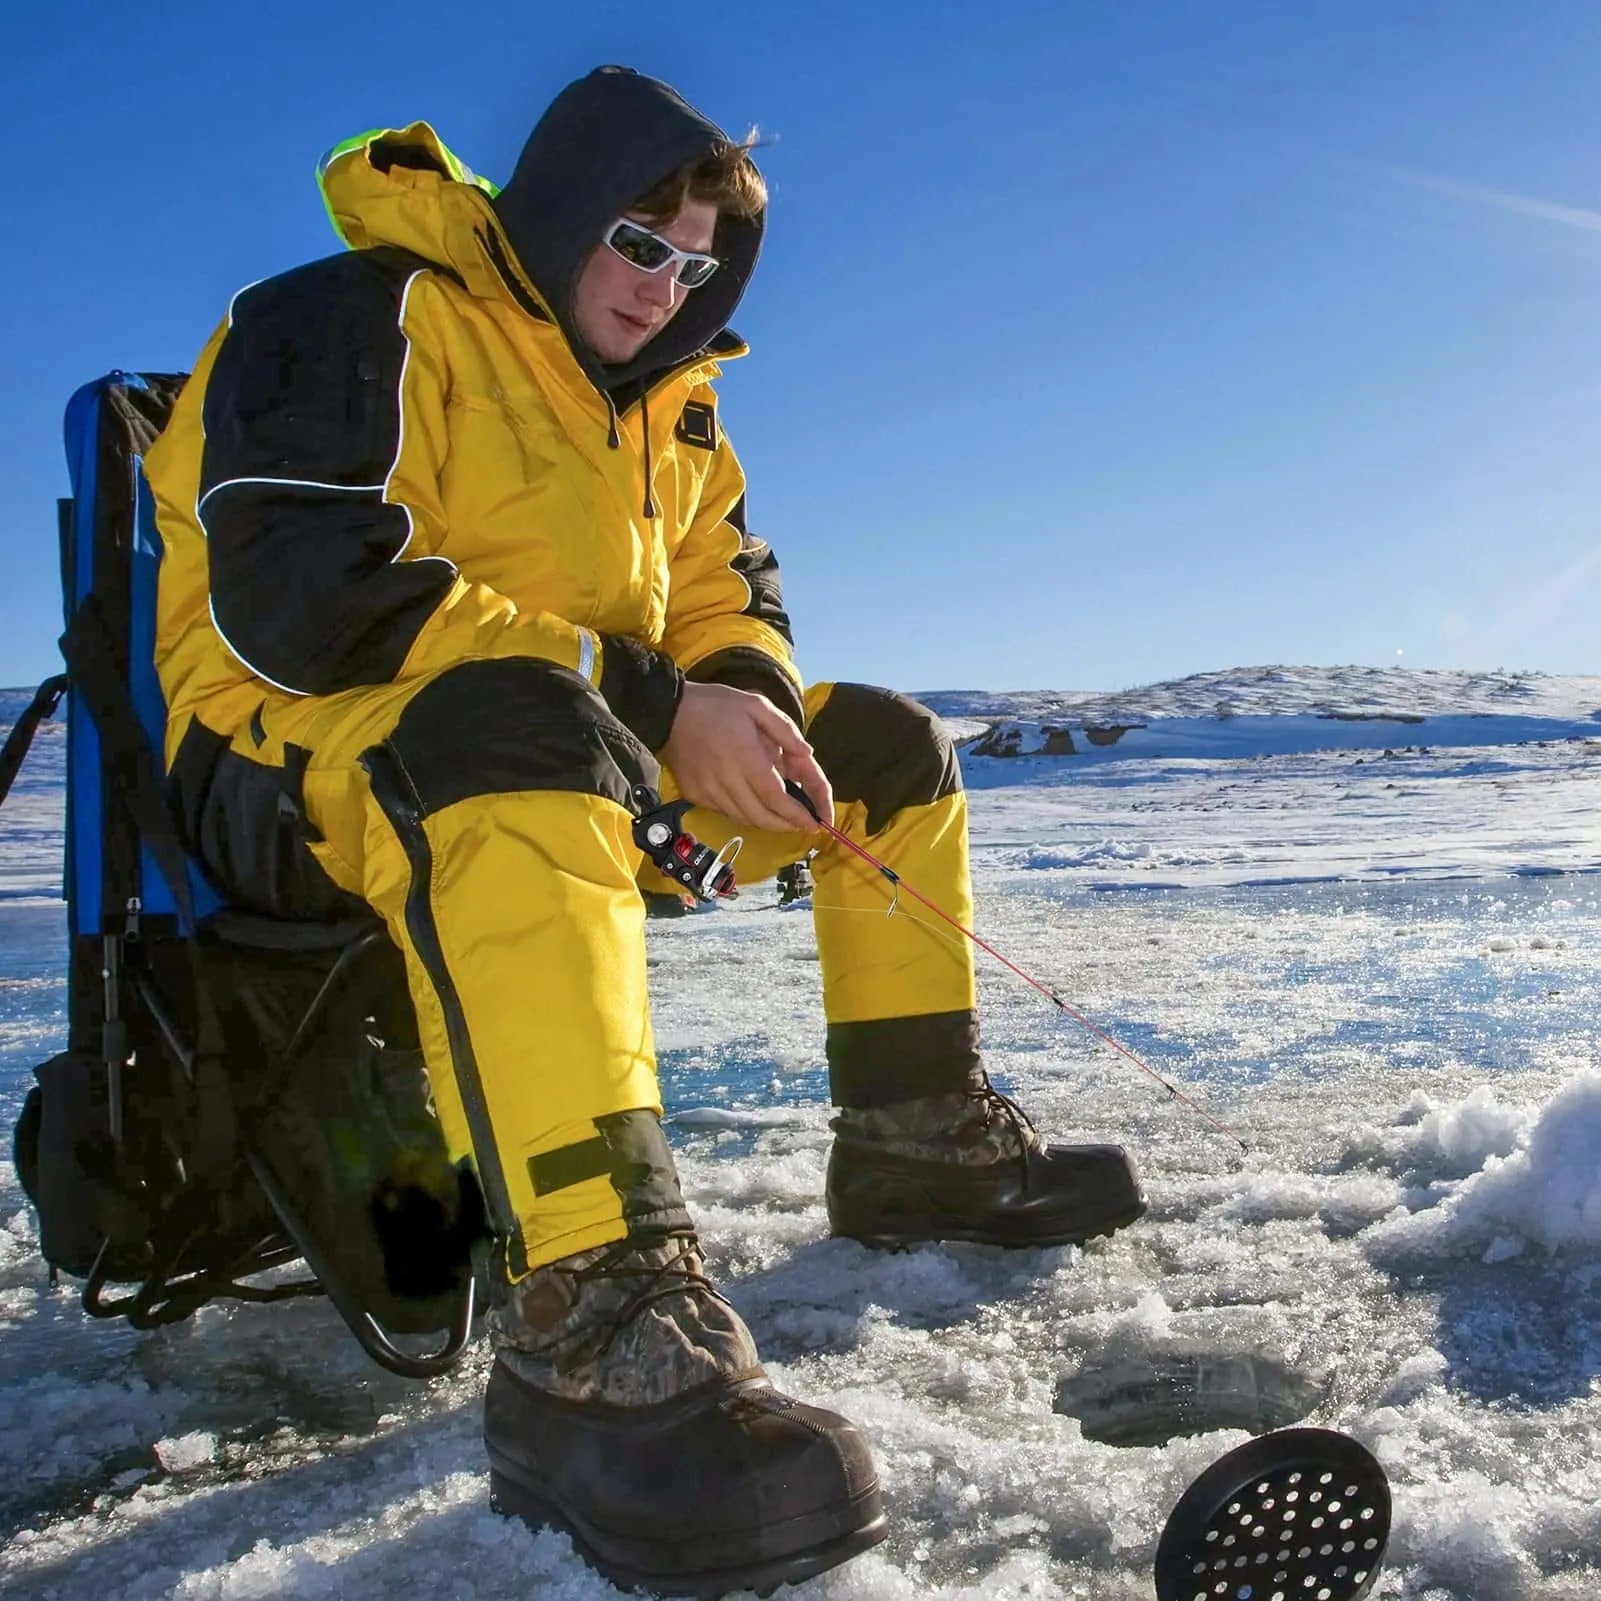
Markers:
point(618, 308)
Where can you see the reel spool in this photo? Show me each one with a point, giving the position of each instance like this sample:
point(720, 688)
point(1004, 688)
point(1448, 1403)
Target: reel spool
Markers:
point(1296, 1515)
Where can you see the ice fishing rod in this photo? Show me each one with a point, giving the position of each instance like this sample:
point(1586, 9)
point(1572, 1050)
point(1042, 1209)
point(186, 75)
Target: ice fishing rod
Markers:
point(796, 793)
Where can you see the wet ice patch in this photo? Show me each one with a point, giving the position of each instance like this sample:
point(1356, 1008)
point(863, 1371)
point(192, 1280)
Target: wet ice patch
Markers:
point(1184, 1389)
point(750, 1117)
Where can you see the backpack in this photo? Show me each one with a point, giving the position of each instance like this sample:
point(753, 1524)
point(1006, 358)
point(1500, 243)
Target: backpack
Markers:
point(237, 1093)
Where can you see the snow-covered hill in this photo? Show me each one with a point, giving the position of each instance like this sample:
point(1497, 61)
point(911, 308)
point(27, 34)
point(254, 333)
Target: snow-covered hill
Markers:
point(1296, 691)
point(1259, 711)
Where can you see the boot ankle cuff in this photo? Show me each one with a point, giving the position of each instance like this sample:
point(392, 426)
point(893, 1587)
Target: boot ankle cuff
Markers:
point(892, 1059)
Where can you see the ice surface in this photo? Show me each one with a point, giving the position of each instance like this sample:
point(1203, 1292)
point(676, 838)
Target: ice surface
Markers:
point(1384, 972)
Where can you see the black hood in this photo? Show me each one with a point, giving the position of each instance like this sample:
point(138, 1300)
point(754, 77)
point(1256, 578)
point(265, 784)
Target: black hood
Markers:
point(607, 140)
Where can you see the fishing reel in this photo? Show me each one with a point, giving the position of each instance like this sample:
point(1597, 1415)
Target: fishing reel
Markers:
point(659, 832)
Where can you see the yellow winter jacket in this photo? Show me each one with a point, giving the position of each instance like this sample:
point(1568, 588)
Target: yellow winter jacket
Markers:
point(393, 460)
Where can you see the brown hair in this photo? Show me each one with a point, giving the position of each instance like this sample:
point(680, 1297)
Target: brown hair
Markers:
point(728, 178)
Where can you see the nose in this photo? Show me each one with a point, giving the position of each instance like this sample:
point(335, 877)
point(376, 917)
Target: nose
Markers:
point(659, 288)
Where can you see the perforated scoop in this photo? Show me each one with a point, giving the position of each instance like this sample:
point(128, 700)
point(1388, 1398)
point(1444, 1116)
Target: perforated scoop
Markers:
point(1296, 1515)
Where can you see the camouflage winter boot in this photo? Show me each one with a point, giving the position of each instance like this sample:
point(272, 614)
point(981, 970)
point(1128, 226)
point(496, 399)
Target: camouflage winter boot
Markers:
point(968, 1165)
point(627, 1406)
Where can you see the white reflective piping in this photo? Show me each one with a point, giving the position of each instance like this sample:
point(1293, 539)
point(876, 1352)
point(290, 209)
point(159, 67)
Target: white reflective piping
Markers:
point(293, 483)
point(444, 560)
point(400, 411)
point(235, 301)
point(586, 654)
point(239, 655)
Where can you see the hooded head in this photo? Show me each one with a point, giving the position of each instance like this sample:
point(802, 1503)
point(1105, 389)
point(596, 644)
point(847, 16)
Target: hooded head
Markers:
point(606, 141)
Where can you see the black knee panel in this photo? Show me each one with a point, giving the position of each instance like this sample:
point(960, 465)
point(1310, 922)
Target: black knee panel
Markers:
point(516, 723)
point(884, 750)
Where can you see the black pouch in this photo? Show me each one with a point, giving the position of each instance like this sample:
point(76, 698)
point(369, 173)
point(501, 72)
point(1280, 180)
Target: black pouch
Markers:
point(74, 1173)
point(344, 1138)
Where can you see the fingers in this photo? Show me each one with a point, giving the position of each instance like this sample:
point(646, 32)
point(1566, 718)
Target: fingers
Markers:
point(793, 817)
point(779, 814)
point(794, 760)
point(732, 751)
point(747, 792)
point(775, 725)
point(800, 767)
point(752, 794)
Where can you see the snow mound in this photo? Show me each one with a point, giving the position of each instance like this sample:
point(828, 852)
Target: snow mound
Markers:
point(1546, 1192)
point(1248, 712)
point(1434, 1140)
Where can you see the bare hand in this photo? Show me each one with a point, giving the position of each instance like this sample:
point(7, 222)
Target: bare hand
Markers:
point(732, 751)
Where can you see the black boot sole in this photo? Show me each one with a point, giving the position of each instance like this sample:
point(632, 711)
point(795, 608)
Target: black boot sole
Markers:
point(861, 1521)
point(1011, 1234)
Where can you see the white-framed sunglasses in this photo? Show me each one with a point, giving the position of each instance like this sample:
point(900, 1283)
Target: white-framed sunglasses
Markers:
point(648, 251)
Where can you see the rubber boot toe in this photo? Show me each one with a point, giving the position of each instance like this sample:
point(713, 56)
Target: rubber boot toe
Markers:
point(1046, 1195)
point(728, 1487)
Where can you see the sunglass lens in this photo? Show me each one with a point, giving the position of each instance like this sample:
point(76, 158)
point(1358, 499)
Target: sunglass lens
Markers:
point(642, 248)
point(692, 274)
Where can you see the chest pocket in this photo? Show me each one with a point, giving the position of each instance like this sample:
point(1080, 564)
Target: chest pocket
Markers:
point(697, 426)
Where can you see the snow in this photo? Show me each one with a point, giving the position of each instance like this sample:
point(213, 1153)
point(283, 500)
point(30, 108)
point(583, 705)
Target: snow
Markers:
point(1541, 1188)
point(1383, 971)
point(186, 1452)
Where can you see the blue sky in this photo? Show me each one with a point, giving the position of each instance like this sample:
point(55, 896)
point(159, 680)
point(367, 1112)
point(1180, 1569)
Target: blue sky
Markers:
point(1093, 344)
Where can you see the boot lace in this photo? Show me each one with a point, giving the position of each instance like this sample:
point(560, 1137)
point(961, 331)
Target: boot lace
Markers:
point(995, 1104)
point(679, 1274)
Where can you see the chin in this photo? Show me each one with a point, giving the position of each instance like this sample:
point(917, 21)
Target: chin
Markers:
point(615, 352)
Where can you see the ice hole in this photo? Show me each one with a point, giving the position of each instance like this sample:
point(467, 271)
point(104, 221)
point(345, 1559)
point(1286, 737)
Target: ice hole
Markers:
point(1178, 1392)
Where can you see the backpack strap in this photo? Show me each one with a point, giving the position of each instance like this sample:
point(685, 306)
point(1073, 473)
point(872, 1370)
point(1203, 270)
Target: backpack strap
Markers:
point(92, 662)
point(43, 705)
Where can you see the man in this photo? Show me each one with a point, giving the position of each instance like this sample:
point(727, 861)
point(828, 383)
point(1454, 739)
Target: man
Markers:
point(456, 558)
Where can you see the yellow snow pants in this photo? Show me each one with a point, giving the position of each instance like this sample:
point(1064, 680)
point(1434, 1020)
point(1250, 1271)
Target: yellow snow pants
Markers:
point(485, 813)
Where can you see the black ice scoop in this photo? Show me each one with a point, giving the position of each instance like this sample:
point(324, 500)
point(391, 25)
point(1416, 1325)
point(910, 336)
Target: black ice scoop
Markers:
point(1296, 1515)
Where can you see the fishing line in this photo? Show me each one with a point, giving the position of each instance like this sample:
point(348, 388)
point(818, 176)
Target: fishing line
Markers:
point(902, 887)
point(911, 917)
